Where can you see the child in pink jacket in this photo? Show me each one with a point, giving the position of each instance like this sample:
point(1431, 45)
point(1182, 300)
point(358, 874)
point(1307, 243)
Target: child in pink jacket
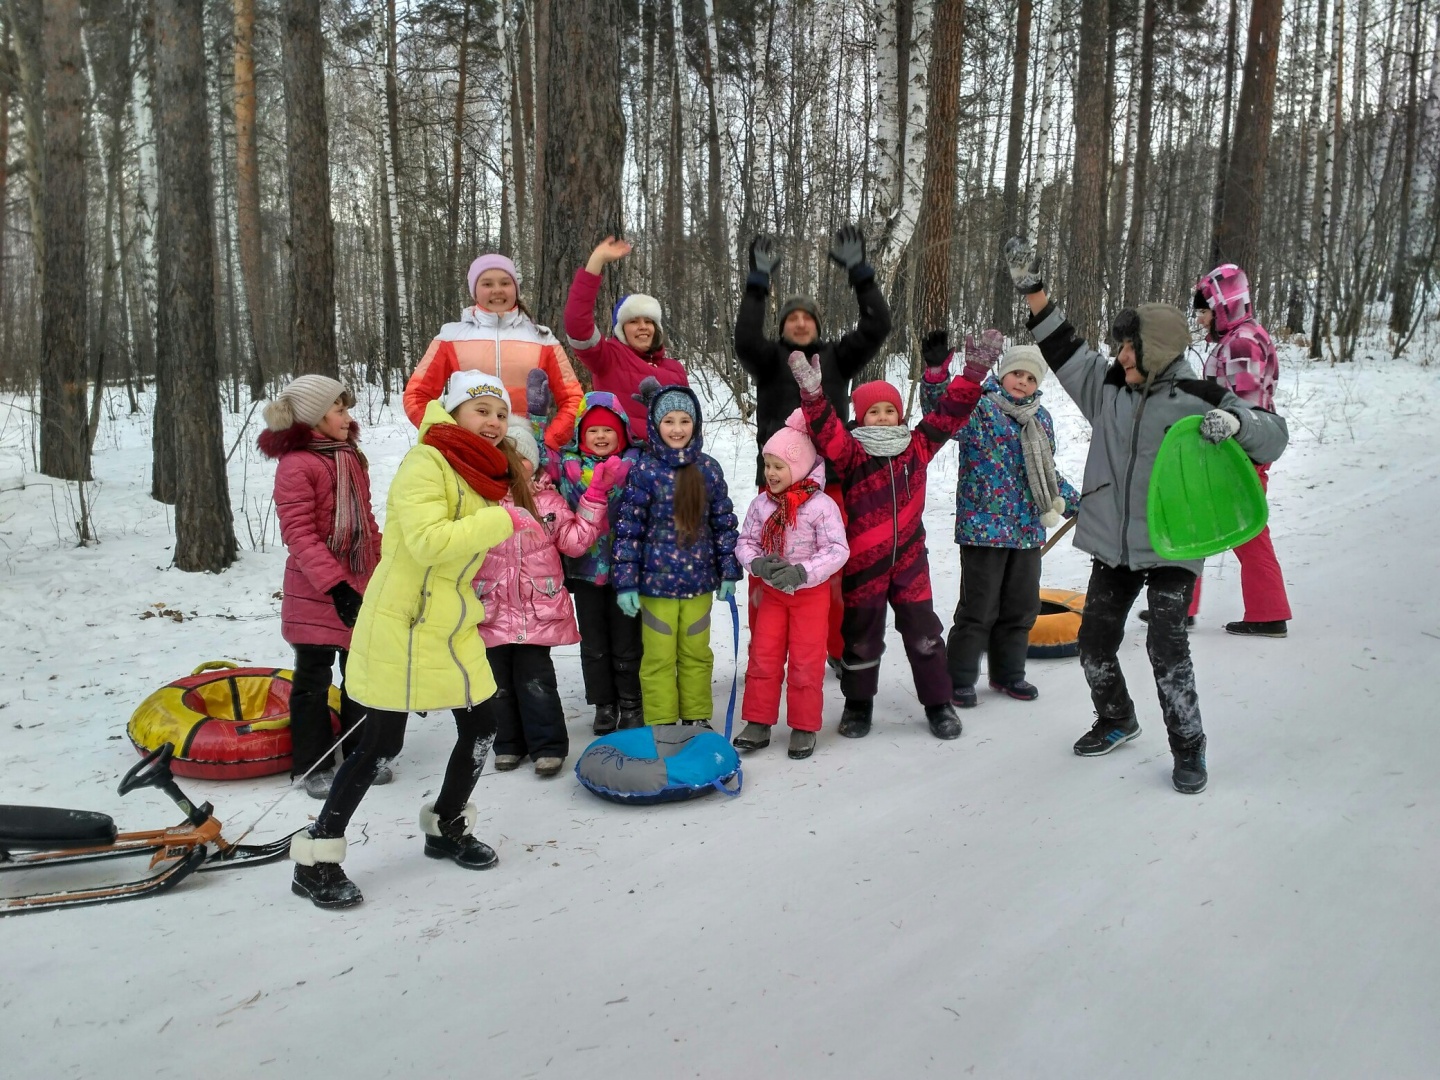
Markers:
point(322, 498)
point(793, 542)
point(527, 609)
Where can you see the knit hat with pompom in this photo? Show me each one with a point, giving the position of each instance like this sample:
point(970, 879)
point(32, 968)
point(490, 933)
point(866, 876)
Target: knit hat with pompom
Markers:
point(305, 401)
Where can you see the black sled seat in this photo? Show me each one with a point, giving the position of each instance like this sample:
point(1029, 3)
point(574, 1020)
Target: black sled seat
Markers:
point(46, 828)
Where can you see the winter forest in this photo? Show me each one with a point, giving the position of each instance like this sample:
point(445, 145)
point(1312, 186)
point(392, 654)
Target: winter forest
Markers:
point(333, 166)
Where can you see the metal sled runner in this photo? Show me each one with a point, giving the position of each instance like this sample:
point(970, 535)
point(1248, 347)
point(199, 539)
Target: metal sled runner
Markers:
point(32, 837)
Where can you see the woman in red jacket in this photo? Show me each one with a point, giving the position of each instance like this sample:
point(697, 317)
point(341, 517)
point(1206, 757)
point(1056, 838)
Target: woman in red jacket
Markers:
point(322, 498)
point(618, 364)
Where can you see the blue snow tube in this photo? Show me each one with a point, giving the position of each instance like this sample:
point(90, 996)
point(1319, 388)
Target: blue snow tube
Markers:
point(664, 763)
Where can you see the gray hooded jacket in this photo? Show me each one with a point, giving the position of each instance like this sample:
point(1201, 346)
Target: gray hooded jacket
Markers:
point(1129, 424)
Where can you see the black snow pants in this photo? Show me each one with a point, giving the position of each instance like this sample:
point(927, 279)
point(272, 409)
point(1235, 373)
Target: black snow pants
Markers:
point(1108, 599)
point(525, 713)
point(610, 645)
point(999, 603)
point(310, 731)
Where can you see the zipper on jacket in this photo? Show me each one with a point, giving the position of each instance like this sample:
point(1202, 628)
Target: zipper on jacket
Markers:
point(1129, 479)
point(416, 621)
point(460, 583)
point(894, 518)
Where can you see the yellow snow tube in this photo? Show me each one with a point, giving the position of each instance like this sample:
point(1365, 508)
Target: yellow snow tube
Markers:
point(1056, 632)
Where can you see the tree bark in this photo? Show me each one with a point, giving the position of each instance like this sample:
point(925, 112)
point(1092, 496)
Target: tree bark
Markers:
point(307, 156)
point(1243, 200)
point(64, 296)
point(1002, 309)
point(247, 193)
point(204, 528)
point(1134, 246)
point(937, 200)
point(1085, 267)
point(1226, 127)
point(1402, 280)
point(457, 142)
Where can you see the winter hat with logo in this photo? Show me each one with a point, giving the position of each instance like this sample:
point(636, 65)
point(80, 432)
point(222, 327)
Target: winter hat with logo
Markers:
point(871, 393)
point(524, 440)
point(305, 401)
point(490, 262)
point(600, 416)
point(1022, 358)
point(793, 304)
point(640, 306)
point(792, 445)
point(464, 385)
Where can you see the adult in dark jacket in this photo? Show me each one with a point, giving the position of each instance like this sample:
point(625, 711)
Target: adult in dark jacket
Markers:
point(767, 360)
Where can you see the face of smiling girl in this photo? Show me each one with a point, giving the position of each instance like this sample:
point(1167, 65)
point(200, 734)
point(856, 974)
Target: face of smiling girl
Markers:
point(677, 429)
point(485, 416)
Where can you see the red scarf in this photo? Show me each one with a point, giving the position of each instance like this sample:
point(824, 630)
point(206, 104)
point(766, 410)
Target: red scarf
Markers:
point(479, 463)
point(350, 536)
point(788, 503)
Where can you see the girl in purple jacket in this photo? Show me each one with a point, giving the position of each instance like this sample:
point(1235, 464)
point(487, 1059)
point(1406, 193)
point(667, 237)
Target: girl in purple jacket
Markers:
point(793, 542)
point(322, 499)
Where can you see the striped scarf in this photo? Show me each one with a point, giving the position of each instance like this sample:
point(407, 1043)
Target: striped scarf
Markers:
point(788, 503)
point(350, 536)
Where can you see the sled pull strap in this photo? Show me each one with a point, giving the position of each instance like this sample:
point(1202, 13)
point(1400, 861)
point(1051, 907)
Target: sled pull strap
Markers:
point(719, 785)
point(734, 675)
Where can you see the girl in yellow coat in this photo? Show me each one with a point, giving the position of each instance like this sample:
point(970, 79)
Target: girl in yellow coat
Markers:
point(415, 647)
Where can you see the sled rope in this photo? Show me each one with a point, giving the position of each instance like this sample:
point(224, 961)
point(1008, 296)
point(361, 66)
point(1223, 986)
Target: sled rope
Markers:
point(734, 671)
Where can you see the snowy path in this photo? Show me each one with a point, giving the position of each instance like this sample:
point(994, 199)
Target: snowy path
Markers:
point(894, 907)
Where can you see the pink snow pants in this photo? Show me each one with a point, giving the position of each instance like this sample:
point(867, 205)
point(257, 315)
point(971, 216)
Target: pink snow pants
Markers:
point(1261, 583)
point(784, 626)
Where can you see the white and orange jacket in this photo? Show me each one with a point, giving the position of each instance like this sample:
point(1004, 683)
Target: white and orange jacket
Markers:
point(508, 346)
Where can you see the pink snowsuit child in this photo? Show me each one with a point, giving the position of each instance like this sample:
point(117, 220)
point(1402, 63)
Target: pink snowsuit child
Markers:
point(793, 542)
point(521, 583)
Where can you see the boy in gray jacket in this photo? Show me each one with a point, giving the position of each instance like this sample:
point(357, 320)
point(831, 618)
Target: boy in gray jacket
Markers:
point(1130, 403)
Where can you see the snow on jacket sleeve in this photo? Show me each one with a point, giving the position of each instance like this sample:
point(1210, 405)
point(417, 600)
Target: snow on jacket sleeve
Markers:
point(420, 510)
point(1081, 369)
point(859, 346)
point(939, 425)
point(427, 381)
point(831, 549)
point(295, 481)
point(836, 445)
point(723, 523)
point(577, 530)
point(568, 393)
point(585, 337)
point(632, 525)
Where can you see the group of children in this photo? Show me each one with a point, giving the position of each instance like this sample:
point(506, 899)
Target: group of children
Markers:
point(501, 528)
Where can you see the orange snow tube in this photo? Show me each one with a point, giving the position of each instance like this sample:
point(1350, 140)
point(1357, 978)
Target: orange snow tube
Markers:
point(1056, 632)
point(226, 722)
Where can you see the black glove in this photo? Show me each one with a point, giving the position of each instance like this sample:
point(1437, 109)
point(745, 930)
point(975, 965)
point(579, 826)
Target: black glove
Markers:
point(789, 577)
point(847, 249)
point(1023, 262)
point(763, 256)
point(347, 603)
point(1207, 390)
point(935, 349)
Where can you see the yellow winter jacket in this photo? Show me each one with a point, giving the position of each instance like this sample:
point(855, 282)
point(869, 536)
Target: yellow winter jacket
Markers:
point(415, 646)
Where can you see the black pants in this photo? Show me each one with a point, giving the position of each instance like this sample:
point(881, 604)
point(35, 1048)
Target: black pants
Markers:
point(525, 712)
point(610, 645)
point(310, 732)
point(999, 603)
point(382, 736)
point(1107, 602)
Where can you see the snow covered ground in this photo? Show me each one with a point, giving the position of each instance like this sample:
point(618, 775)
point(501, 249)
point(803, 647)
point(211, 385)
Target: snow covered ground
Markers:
point(893, 907)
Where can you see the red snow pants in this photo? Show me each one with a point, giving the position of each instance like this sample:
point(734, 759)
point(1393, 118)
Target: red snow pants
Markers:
point(1261, 583)
point(782, 626)
point(834, 642)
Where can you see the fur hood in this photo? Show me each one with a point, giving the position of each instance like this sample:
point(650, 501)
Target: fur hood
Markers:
point(276, 444)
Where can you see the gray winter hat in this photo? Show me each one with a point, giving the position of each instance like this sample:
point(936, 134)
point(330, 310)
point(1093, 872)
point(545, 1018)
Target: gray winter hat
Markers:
point(793, 304)
point(305, 401)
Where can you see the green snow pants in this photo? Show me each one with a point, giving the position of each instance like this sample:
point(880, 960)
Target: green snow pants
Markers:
point(677, 662)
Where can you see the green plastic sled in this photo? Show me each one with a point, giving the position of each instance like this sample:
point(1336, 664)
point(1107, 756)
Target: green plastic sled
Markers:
point(1205, 497)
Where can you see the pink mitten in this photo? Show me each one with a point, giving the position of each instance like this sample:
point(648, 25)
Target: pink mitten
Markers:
point(608, 474)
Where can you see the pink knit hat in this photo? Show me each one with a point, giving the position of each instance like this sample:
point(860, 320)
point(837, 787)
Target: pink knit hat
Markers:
point(491, 262)
point(872, 393)
point(792, 445)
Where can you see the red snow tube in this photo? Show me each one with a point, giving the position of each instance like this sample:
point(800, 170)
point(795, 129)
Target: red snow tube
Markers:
point(226, 722)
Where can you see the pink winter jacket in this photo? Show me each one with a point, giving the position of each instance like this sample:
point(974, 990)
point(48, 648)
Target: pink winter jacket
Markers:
point(817, 542)
point(305, 505)
point(522, 582)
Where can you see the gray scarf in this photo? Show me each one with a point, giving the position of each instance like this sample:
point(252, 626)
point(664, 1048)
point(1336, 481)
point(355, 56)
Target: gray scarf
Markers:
point(881, 441)
point(1039, 459)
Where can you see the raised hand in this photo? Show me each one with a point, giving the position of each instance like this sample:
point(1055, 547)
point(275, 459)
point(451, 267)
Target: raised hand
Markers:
point(764, 257)
point(538, 398)
point(847, 248)
point(1023, 262)
point(935, 349)
point(609, 473)
point(981, 355)
point(806, 370)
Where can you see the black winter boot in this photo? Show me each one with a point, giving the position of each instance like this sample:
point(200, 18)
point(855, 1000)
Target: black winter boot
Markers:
point(607, 719)
point(1277, 629)
point(1020, 690)
point(1106, 734)
point(318, 874)
point(752, 736)
point(855, 719)
point(1189, 776)
point(452, 839)
point(944, 724)
point(632, 715)
point(964, 697)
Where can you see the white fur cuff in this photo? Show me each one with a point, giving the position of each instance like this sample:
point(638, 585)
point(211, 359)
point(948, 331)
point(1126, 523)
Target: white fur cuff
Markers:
point(307, 850)
point(430, 823)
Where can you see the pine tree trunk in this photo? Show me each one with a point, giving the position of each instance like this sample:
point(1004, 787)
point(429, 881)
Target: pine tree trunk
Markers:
point(204, 528)
point(583, 126)
point(1085, 269)
point(1134, 246)
point(64, 297)
point(1243, 200)
point(307, 150)
point(1226, 128)
point(937, 201)
point(247, 193)
point(1002, 308)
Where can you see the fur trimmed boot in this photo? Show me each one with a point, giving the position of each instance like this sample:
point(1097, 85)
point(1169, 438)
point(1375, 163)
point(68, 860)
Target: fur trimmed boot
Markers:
point(318, 874)
point(453, 840)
